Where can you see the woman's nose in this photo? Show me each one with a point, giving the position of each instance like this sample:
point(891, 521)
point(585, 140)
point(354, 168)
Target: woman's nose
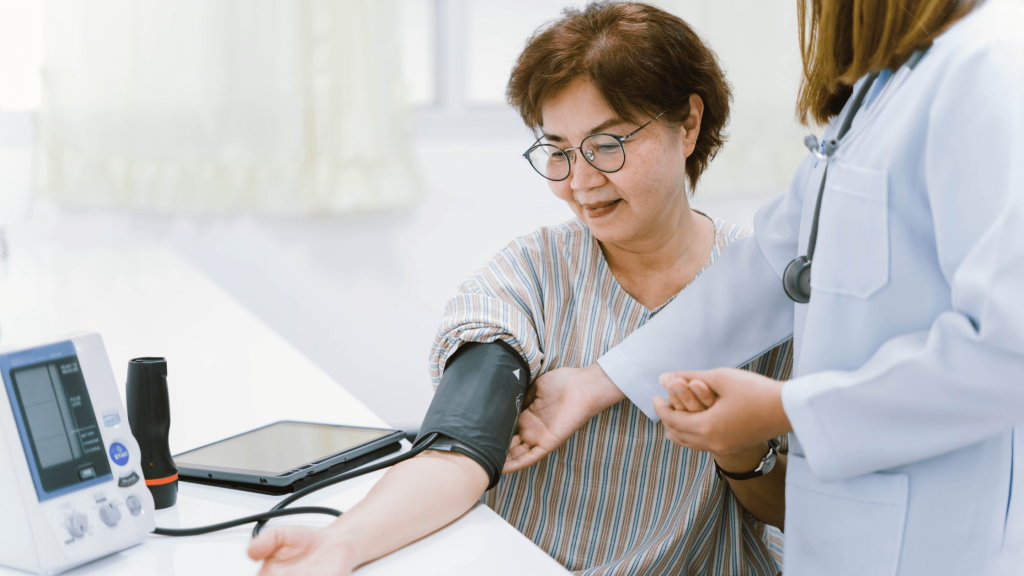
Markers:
point(584, 176)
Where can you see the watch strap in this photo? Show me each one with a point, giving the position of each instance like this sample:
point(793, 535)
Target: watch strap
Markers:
point(763, 467)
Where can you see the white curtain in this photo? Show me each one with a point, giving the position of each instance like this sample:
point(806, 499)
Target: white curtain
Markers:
point(223, 106)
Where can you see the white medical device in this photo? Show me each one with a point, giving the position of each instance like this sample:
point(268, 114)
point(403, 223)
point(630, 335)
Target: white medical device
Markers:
point(71, 484)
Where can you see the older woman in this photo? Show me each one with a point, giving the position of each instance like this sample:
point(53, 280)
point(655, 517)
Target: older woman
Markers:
point(630, 108)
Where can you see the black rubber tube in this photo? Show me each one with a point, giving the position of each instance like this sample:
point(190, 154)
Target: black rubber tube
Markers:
point(427, 441)
point(280, 510)
point(264, 516)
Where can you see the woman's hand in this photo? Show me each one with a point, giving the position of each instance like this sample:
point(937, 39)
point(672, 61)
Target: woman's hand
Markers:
point(300, 550)
point(746, 411)
point(559, 403)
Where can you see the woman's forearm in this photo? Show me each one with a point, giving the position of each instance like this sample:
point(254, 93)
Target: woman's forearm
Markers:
point(603, 393)
point(414, 499)
point(764, 497)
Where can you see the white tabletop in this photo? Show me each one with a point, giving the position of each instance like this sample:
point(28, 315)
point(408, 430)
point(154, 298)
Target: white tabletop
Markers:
point(227, 373)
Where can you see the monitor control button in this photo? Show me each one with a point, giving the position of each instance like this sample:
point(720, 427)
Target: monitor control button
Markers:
point(111, 420)
point(87, 473)
point(129, 480)
point(77, 524)
point(118, 453)
point(134, 506)
point(110, 514)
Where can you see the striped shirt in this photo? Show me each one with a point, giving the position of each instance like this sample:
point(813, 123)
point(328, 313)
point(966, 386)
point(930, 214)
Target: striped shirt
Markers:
point(617, 497)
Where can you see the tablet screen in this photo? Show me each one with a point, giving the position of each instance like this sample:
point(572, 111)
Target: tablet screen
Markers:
point(280, 447)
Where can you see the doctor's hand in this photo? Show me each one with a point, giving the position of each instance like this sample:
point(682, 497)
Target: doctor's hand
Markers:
point(300, 550)
point(692, 396)
point(558, 404)
point(746, 411)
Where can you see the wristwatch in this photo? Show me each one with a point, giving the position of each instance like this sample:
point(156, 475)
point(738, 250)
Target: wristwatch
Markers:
point(763, 467)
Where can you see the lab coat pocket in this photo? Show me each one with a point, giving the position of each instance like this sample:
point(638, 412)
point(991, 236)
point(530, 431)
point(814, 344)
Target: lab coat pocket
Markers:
point(848, 527)
point(852, 254)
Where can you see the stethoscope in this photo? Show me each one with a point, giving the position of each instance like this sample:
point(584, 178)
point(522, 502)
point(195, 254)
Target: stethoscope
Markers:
point(796, 280)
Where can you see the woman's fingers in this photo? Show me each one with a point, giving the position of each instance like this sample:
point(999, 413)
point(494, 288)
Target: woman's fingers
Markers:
point(524, 460)
point(517, 439)
point(517, 452)
point(264, 545)
point(531, 395)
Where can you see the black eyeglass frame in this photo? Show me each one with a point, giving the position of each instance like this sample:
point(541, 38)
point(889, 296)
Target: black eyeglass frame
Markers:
point(572, 158)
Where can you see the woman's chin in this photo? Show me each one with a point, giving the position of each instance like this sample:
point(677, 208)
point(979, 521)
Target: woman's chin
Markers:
point(608, 232)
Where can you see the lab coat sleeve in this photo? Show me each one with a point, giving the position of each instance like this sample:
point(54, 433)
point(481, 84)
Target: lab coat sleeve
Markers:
point(733, 312)
point(961, 381)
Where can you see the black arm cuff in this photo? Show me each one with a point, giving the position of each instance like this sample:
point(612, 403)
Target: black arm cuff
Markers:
point(478, 401)
point(448, 444)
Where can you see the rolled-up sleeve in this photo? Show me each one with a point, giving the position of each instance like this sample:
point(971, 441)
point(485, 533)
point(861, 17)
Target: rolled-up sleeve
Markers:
point(499, 302)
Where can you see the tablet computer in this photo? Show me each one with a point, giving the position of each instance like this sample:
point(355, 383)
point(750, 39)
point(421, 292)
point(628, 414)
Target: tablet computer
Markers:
point(278, 455)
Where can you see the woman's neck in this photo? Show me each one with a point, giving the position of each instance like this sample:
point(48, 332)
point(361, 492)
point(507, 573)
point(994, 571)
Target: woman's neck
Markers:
point(656, 267)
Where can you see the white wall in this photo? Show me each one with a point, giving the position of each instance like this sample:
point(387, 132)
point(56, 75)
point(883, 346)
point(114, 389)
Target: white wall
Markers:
point(362, 295)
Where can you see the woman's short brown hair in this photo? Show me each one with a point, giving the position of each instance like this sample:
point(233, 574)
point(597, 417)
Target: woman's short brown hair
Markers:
point(641, 59)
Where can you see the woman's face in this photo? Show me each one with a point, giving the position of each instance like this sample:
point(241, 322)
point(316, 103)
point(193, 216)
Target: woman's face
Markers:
point(647, 195)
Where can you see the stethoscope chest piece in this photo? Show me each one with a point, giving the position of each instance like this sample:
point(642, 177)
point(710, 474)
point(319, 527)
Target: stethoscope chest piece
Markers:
point(796, 280)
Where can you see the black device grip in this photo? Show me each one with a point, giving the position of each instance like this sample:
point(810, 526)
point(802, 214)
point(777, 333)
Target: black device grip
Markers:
point(149, 416)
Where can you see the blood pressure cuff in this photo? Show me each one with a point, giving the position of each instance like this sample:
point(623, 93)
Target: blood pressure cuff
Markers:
point(477, 404)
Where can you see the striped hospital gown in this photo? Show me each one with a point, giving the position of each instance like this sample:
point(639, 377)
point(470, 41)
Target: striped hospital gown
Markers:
point(617, 497)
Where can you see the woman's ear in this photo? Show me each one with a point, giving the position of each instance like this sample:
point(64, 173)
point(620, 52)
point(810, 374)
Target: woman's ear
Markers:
point(691, 126)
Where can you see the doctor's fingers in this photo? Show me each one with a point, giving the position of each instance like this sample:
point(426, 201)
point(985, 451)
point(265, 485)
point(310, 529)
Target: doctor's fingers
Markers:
point(680, 397)
point(686, 427)
point(672, 378)
point(703, 393)
point(676, 438)
point(713, 378)
point(683, 440)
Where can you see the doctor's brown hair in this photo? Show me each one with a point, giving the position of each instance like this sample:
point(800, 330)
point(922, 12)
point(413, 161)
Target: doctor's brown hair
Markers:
point(842, 40)
point(641, 59)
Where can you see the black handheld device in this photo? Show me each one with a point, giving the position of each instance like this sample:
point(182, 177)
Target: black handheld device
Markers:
point(149, 416)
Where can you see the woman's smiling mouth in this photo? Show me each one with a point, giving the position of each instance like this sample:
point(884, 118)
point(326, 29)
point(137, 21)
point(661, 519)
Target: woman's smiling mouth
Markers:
point(600, 209)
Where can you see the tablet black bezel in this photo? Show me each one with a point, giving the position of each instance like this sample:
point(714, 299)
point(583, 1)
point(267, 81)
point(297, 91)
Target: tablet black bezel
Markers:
point(266, 477)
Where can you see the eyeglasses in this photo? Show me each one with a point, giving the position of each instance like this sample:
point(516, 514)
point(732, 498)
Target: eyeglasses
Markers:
point(605, 152)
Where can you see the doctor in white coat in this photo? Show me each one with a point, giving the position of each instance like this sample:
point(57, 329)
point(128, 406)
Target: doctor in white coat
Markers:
point(909, 367)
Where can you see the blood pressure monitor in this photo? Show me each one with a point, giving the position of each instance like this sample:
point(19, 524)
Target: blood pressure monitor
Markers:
point(71, 484)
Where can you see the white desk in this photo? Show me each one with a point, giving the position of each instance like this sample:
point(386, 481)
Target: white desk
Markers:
point(227, 373)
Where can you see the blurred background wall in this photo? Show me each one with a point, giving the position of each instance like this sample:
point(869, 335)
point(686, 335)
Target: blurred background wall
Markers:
point(325, 161)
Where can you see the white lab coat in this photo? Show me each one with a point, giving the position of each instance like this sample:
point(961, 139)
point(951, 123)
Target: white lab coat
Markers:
point(909, 363)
